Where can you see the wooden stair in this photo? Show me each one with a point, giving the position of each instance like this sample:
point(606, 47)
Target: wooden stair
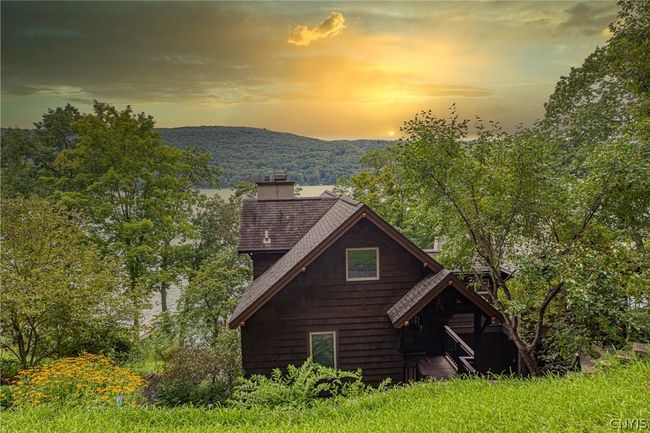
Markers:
point(436, 367)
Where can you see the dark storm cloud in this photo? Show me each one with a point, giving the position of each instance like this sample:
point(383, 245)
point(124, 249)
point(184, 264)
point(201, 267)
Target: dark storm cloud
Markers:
point(142, 51)
point(588, 18)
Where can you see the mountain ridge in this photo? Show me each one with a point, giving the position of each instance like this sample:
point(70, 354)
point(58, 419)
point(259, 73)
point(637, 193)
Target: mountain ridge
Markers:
point(247, 153)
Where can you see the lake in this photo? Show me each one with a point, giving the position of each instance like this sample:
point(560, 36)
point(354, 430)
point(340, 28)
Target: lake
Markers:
point(305, 191)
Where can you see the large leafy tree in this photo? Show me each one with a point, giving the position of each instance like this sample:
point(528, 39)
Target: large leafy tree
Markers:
point(137, 192)
point(27, 160)
point(605, 103)
point(58, 293)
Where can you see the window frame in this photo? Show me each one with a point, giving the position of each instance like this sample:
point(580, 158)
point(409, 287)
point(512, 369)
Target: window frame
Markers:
point(347, 273)
point(334, 343)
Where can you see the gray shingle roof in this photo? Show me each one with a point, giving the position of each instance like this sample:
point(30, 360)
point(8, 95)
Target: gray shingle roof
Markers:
point(416, 294)
point(285, 220)
point(340, 211)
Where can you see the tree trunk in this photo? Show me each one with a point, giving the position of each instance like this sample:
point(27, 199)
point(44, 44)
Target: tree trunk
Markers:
point(527, 355)
point(164, 286)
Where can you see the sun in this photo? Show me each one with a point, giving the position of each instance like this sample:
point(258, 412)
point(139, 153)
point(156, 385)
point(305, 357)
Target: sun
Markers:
point(391, 133)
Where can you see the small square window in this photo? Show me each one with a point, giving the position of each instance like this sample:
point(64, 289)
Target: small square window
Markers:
point(362, 264)
point(322, 348)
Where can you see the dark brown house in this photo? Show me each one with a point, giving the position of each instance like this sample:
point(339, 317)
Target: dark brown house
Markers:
point(334, 281)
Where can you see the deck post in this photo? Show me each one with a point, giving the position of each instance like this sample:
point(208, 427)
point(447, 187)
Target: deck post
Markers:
point(477, 330)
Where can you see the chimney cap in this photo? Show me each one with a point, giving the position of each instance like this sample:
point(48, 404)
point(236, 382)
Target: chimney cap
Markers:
point(275, 179)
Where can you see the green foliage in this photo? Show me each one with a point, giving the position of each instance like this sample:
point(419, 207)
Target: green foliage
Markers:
point(574, 403)
point(299, 387)
point(213, 293)
point(193, 375)
point(137, 192)
point(216, 224)
point(27, 160)
point(379, 187)
point(6, 397)
point(244, 154)
point(9, 368)
point(58, 292)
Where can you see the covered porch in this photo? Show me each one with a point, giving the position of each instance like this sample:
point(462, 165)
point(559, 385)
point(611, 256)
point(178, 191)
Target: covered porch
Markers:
point(447, 329)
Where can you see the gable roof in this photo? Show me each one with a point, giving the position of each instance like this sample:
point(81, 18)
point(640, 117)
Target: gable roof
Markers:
point(343, 214)
point(427, 289)
point(285, 220)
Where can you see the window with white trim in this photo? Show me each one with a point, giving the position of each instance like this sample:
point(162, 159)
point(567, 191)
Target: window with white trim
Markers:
point(361, 264)
point(322, 348)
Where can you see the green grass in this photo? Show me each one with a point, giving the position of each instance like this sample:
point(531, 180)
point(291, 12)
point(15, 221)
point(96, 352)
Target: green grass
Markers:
point(577, 403)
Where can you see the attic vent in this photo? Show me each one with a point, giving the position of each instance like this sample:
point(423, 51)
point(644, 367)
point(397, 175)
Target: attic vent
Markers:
point(267, 239)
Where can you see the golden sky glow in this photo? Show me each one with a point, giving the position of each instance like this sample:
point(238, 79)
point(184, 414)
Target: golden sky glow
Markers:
point(331, 70)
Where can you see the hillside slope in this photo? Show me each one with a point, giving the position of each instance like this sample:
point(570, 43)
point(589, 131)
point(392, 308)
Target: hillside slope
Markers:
point(248, 153)
point(599, 402)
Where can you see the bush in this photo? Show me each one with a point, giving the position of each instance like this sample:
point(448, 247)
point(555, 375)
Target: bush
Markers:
point(299, 387)
point(87, 379)
point(192, 375)
point(9, 368)
point(6, 397)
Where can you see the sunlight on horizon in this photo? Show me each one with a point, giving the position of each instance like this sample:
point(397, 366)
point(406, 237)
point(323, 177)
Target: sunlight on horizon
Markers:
point(317, 69)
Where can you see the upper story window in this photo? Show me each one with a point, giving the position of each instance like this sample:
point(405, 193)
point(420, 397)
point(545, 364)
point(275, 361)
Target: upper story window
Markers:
point(362, 264)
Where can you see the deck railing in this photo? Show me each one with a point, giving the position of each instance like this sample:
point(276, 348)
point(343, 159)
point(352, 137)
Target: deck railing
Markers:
point(459, 354)
point(411, 369)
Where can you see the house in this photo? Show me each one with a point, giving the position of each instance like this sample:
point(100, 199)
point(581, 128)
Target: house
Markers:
point(334, 281)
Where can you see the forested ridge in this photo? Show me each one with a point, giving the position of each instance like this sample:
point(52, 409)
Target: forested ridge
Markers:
point(245, 154)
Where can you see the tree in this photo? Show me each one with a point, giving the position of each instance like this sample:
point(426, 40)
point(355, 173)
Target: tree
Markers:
point(28, 156)
point(606, 102)
point(57, 287)
point(213, 294)
point(137, 192)
point(380, 187)
point(216, 225)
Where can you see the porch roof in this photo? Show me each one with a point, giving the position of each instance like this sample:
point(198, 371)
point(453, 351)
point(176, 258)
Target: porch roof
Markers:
point(427, 289)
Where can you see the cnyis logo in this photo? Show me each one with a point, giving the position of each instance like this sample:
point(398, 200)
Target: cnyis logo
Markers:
point(630, 423)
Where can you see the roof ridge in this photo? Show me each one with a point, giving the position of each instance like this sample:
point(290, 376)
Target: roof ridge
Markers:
point(318, 197)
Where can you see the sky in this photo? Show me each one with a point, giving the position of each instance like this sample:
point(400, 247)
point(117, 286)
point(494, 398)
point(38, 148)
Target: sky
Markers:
point(321, 69)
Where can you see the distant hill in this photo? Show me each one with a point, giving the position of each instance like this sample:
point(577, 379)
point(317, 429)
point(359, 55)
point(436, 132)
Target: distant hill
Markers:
point(248, 153)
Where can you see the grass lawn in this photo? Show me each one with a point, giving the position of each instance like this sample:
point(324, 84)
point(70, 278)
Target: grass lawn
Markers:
point(582, 403)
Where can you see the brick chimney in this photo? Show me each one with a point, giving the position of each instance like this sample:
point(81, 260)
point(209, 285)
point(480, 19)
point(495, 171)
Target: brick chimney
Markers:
point(275, 187)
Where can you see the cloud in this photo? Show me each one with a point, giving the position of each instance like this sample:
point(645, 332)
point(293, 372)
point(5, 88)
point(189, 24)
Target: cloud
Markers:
point(331, 26)
point(588, 19)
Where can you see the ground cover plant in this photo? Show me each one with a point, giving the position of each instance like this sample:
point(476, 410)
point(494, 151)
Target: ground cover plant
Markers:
point(574, 403)
point(86, 379)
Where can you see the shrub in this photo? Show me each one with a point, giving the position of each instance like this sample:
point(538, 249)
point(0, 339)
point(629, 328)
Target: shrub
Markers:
point(192, 375)
point(299, 387)
point(93, 379)
point(9, 368)
point(6, 397)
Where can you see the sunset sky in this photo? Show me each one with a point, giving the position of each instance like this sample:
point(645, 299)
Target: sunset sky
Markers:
point(322, 69)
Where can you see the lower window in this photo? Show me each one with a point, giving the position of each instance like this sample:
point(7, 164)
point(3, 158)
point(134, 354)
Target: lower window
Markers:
point(322, 348)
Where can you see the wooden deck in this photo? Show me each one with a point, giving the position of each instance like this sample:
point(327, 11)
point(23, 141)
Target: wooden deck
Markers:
point(436, 367)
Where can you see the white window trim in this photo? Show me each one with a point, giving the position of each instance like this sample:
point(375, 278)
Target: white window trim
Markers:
point(311, 349)
point(347, 278)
